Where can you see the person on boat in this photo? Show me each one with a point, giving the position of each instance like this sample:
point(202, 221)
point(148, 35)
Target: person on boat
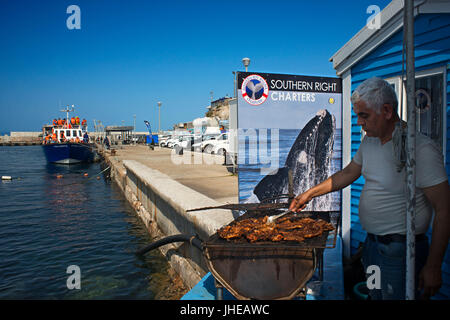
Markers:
point(72, 121)
point(84, 122)
point(86, 138)
point(62, 137)
point(77, 120)
point(55, 122)
point(54, 137)
point(59, 121)
point(77, 140)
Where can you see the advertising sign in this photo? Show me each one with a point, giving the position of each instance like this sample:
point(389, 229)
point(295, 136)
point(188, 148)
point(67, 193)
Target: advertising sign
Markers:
point(288, 126)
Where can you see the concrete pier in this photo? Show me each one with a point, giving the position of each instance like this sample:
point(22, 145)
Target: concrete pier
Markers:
point(161, 186)
point(21, 139)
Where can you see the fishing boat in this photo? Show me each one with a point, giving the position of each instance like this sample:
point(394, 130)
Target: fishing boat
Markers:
point(67, 143)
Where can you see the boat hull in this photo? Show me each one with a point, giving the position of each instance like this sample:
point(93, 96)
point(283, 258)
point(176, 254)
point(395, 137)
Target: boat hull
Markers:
point(69, 153)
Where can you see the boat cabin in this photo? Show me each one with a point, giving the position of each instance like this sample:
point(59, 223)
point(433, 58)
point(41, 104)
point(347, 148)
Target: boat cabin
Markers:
point(68, 134)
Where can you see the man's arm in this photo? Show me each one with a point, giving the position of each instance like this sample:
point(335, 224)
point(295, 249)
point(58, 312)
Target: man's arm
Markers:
point(430, 277)
point(337, 181)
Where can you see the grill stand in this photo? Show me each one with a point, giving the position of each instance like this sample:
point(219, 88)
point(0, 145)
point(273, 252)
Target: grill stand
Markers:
point(302, 293)
point(320, 263)
point(219, 289)
point(266, 270)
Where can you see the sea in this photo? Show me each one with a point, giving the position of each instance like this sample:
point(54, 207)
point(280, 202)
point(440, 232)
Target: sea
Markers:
point(57, 230)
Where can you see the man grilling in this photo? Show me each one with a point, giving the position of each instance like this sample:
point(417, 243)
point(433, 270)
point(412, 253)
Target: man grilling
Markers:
point(382, 206)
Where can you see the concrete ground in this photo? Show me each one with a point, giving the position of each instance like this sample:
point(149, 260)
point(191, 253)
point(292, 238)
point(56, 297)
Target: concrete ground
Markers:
point(201, 172)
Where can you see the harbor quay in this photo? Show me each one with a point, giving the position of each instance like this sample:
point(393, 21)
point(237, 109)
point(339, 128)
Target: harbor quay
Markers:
point(161, 186)
point(21, 139)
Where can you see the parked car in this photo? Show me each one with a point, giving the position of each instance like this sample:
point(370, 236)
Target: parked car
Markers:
point(209, 145)
point(198, 145)
point(221, 148)
point(163, 140)
point(170, 143)
point(184, 143)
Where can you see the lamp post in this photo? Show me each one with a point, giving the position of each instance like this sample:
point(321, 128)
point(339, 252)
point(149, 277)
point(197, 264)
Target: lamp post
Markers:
point(134, 129)
point(246, 62)
point(159, 117)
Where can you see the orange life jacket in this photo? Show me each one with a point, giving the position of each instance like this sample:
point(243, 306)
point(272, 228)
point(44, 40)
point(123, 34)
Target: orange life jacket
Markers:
point(72, 120)
point(55, 122)
point(77, 120)
point(60, 122)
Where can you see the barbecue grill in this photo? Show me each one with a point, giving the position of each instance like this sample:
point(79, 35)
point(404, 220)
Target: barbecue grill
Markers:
point(268, 270)
point(264, 269)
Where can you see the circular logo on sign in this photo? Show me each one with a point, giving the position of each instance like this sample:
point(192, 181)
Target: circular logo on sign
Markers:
point(255, 89)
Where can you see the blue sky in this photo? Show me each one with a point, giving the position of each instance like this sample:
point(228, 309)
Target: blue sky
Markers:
point(128, 55)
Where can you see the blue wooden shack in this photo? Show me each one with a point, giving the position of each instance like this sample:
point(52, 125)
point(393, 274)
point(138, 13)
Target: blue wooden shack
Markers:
point(378, 52)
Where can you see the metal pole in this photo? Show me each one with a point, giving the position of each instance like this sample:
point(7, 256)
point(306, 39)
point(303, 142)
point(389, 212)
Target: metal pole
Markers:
point(234, 76)
point(408, 24)
point(159, 118)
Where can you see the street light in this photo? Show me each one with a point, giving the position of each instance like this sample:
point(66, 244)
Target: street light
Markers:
point(246, 62)
point(159, 118)
point(134, 129)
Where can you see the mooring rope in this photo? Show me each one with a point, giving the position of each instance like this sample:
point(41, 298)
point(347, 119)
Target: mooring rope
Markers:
point(84, 181)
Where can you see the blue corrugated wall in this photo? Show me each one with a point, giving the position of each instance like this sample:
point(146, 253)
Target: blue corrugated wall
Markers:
point(432, 49)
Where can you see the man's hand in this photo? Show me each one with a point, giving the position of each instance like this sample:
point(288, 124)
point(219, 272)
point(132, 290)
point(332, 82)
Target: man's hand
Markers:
point(429, 281)
point(430, 276)
point(300, 202)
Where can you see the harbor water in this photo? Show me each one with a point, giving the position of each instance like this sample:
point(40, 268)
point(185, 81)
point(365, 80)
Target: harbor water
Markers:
point(56, 216)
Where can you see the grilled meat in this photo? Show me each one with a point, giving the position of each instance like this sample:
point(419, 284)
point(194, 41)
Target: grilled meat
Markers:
point(287, 228)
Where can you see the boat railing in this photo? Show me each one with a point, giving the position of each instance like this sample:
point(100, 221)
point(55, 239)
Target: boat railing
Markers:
point(72, 126)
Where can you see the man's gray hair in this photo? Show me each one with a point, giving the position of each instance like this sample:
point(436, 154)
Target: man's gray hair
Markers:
point(375, 92)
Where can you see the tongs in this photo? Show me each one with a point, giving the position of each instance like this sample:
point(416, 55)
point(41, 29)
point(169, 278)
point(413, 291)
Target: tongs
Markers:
point(272, 219)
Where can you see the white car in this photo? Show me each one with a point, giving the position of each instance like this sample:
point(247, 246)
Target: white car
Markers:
point(199, 141)
point(172, 141)
point(208, 146)
point(185, 142)
point(163, 140)
point(221, 148)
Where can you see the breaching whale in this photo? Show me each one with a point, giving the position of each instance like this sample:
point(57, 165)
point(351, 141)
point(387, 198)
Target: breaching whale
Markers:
point(310, 161)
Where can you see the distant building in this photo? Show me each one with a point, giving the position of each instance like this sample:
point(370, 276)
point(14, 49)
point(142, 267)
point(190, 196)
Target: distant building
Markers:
point(219, 108)
point(183, 126)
